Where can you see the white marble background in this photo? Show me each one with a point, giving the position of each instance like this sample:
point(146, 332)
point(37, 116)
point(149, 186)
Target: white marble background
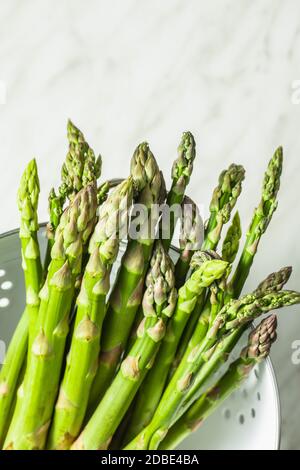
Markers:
point(129, 70)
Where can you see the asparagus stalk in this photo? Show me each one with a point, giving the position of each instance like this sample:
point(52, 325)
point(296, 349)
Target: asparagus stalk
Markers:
point(127, 291)
point(82, 358)
point(28, 196)
point(231, 242)
point(223, 201)
point(158, 304)
point(274, 282)
point(36, 396)
point(257, 349)
point(102, 192)
point(190, 239)
point(79, 169)
point(260, 221)
point(181, 173)
point(184, 387)
point(206, 271)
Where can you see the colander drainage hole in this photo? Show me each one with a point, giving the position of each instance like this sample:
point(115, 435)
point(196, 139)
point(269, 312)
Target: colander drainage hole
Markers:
point(241, 419)
point(258, 396)
point(253, 412)
point(2, 272)
point(6, 285)
point(227, 413)
point(4, 302)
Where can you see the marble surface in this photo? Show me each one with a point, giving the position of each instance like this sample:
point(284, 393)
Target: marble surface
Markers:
point(130, 70)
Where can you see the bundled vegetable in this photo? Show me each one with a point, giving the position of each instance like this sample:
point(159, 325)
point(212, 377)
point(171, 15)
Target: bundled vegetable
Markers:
point(121, 351)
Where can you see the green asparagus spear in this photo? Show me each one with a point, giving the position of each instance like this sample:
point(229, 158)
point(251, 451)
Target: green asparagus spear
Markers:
point(190, 239)
point(191, 374)
point(257, 349)
point(260, 221)
point(275, 281)
point(36, 397)
point(102, 192)
point(79, 169)
point(181, 173)
point(158, 304)
point(232, 240)
point(223, 201)
point(127, 292)
point(28, 196)
point(206, 271)
point(82, 358)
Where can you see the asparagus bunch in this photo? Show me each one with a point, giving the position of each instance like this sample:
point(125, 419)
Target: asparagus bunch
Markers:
point(257, 349)
point(82, 358)
point(132, 393)
point(158, 304)
point(206, 271)
point(28, 196)
point(31, 419)
point(181, 172)
point(127, 291)
point(193, 371)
